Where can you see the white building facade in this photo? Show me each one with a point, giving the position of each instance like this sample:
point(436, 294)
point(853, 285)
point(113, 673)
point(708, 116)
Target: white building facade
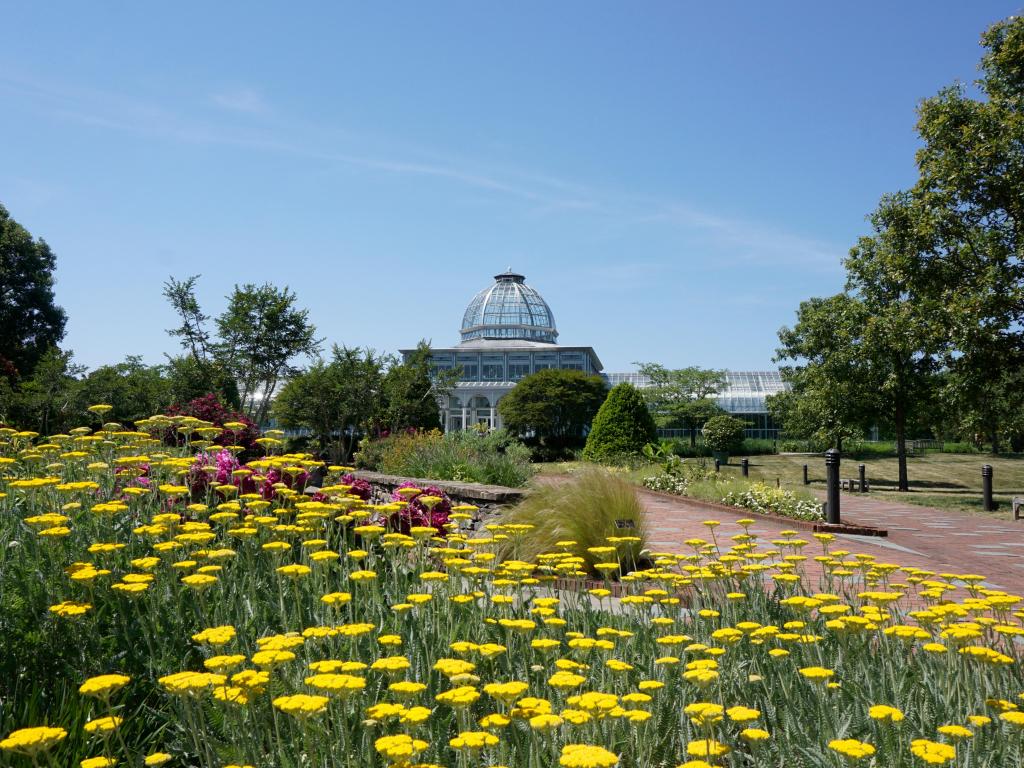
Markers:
point(508, 332)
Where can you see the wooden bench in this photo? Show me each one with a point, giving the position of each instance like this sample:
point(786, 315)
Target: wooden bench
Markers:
point(853, 484)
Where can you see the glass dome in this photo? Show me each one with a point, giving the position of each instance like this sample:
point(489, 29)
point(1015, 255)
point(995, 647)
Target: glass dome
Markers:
point(509, 309)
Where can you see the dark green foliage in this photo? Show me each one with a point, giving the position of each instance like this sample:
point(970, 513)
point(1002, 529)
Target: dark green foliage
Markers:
point(552, 409)
point(832, 396)
point(137, 391)
point(30, 322)
point(724, 434)
point(189, 378)
point(47, 402)
point(359, 393)
point(622, 427)
point(410, 395)
point(335, 401)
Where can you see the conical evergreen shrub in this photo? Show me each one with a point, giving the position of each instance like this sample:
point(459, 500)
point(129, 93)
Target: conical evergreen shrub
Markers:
point(622, 427)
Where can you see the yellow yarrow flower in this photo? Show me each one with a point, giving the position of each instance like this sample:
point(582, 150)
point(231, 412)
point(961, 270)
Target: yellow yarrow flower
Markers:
point(32, 741)
point(586, 756)
point(102, 686)
point(302, 705)
point(932, 752)
point(471, 741)
point(851, 748)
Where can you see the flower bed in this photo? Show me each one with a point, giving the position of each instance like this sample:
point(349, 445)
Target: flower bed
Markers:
point(152, 628)
point(734, 492)
point(766, 500)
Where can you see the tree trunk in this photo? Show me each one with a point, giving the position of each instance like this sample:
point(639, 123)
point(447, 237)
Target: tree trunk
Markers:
point(994, 438)
point(901, 448)
point(693, 436)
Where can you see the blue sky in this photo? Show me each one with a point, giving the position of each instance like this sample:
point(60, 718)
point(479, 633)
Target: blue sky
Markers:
point(673, 177)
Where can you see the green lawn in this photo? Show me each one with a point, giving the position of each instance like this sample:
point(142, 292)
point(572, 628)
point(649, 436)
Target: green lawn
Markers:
point(943, 480)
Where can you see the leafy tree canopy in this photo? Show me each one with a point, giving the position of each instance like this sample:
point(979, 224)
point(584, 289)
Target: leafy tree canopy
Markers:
point(553, 406)
point(831, 397)
point(135, 390)
point(411, 392)
point(259, 336)
point(336, 400)
point(31, 323)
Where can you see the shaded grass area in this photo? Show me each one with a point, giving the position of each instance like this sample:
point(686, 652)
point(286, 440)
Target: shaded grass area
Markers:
point(942, 480)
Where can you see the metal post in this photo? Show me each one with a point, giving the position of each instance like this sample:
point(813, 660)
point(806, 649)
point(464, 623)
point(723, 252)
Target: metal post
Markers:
point(718, 466)
point(862, 469)
point(807, 480)
point(745, 467)
point(986, 487)
point(832, 485)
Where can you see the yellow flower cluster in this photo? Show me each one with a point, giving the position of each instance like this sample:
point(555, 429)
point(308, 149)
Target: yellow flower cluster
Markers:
point(315, 626)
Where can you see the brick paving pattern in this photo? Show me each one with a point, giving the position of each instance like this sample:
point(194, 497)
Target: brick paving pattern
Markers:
point(919, 537)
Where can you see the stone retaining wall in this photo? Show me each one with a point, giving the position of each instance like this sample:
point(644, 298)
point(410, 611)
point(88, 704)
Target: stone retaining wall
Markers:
point(487, 497)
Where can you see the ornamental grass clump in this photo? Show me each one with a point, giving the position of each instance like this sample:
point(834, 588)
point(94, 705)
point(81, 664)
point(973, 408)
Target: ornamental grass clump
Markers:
point(278, 629)
point(585, 509)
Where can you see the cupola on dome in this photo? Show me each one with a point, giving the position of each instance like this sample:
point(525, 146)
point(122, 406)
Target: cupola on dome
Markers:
point(509, 309)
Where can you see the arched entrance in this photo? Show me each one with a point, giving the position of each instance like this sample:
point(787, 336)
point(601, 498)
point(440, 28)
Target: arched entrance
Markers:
point(481, 412)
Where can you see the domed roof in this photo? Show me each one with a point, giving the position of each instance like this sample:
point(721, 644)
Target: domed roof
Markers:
point(509, 309)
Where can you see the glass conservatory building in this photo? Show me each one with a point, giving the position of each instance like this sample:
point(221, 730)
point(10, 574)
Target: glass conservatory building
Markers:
point(508, 332)
point(743, 397)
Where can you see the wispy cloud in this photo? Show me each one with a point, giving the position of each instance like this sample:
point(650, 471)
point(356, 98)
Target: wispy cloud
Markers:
point(749, 241)
point(732, 240)
point(241, 100)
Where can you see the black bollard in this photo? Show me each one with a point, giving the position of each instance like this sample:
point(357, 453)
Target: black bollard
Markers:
point(863, 478)
point(745, 467)
point(807, 480)
point(986, 487)
point(832, 485)
point(718, 466)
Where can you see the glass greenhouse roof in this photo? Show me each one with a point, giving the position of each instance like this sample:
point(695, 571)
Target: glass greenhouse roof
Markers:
point(509, 309)
point(744, 391)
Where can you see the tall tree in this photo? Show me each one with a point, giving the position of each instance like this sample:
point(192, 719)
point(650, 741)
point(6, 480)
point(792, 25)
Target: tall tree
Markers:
point(902, 335)
point(193, 333)
point(261, 333)
point(30, 321)
point(411, 392)
point(681, 397)
point(831, 393)
point(971, 184)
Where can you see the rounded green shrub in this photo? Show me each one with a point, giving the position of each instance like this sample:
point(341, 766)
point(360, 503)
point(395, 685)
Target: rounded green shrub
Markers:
point(724, 434)
point(622, 427)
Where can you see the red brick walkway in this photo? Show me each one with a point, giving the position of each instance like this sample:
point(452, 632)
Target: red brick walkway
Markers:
point(919, 537)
